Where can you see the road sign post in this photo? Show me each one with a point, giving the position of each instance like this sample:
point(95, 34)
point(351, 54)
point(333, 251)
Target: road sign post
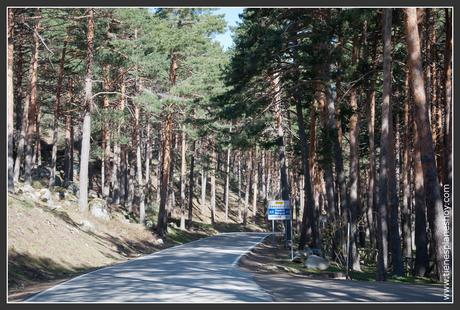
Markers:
point(281, 210)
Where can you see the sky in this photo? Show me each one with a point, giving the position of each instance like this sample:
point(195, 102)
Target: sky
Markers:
point(231, 16)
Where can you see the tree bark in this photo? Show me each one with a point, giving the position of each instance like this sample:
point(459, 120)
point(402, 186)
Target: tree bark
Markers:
point(354, 166)
point(406, 201)
point(32, 107)
point(166, 162)
point(22, 108)
point(183, 171)
point(57, 107)
point(447, 179)
point(421, 239)
point(227, 183)
point(191, 184)
point(308, 215)
point(384, 151)
point(88, 103)
point(255, 183)
point(69, 139)
point(105, 166)
point(284, 182)
point(213, 182)
point(431, 184)
point(248, 188)
point(10, 99)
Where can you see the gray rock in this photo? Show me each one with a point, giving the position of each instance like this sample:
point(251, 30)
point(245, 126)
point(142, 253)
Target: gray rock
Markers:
point(313, 251)
point(98, 209)
point(58, 181)
point(316, 262)
point(298, 258)
point(45, 195)
point(159, 242)
point(86, 226)
point(41, 172)
point(73, 188)
point(92, 194)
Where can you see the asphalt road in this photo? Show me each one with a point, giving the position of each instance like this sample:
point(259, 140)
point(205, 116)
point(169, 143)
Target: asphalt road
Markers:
point(292, 288)
point(202, 271)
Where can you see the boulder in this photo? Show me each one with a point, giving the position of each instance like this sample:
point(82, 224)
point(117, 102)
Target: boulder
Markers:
point(298, 257)
point(58, 181)
point(158, 242)
point(316, 262)
point(86, 226)
point(73, 188)
point(312, 251)
point(92, 194)
point(45, 195)
point(41, 172)
point(98, 208)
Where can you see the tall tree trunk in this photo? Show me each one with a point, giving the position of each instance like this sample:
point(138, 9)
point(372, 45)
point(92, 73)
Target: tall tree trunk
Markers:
point(57, 107)
point(406, 201)
point(371, 199)
point(284, 182)
point(10, 99)
point(354, 166)
point(88, 103)
point(421, 239)
point(166, 162)
point(32, 108)
point(183, 171)
point(239, 188)
point(69, 139)
point(384, 151)
point(394, 234)
point(204, 181)
point(159, 165)
point(105, 166)
point(139, 178)
point(447, 179)
point(148, 159)
point(22, 107)
point(213, 181)
point(117, 183)
point(191, 184)
point(308, 215)
point(255, 183)
point(227, 183)
point(248, 188)
point(431, 184)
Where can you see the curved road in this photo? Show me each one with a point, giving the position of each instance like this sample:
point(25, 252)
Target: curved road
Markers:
point(201, 271)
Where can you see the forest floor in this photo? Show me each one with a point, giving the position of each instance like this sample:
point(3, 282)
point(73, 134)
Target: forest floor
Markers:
point(285, 281)
point(48, 244)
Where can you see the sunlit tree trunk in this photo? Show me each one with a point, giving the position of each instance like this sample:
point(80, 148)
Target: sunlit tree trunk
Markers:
point(421, 240)
point(21, 106)
point(69, 139)
point(191, 184)
point(407, 198)
point(57, 107)
point(227, 183)
point(183, 171)
point(213, 170)
point(447, 156)
point(354, 167)
point(382, 222)
point(431, 184)
point(10, 99)
point(255, 183)
point(32, 107)
point(105, 165)
point(88, 103)
point(165, 172)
